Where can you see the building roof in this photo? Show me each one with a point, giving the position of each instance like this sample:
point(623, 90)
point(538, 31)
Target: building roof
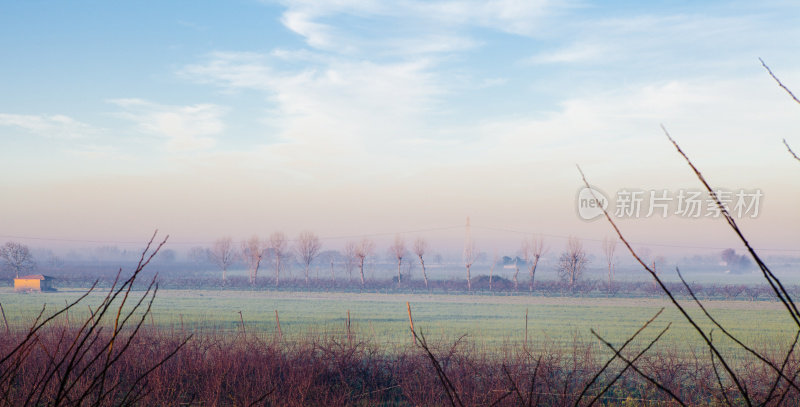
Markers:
point(36, 277)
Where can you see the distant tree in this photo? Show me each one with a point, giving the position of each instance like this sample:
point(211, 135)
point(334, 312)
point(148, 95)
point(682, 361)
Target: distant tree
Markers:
point(279, 246)
point(198, 255)
point(167, 255)
point(420, 247)
point(398, 251)
point(307, 248)
point(107, 253)
point(736, 263)
point(609, 249)
point(532, 250)
point(54, 261)
point(223, 254)
point(253, 251)
point(17, 258)
point(350, 258)
point(572, 262)
point(516, 273)
point(331, 257)
point(363, 250)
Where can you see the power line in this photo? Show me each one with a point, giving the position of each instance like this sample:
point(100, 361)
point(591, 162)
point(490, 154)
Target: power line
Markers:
point(497, 229)
point(382, 234)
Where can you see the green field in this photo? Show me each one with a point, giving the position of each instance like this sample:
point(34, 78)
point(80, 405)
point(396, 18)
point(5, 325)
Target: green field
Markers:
point(489, 321)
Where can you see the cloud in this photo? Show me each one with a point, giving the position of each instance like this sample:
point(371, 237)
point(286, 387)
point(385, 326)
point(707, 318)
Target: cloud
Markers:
point(410, 26)
point(186, 128)
point(54, 126)
point(332, 96)
point(574, 53)
point(521, 17)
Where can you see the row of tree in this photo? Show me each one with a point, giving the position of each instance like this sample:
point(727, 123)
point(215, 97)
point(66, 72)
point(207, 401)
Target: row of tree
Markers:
point(307, 247)
point(278, 251)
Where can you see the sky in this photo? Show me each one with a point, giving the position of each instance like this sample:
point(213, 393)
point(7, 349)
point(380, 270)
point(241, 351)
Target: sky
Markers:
point(364, 118)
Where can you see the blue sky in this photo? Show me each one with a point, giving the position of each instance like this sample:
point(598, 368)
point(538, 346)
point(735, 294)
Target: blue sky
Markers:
point(209, 118)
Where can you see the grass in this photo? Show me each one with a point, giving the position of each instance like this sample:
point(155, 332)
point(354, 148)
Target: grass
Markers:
point(488, 321)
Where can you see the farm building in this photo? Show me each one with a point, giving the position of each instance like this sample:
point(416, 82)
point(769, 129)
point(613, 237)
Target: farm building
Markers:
point(36, 282)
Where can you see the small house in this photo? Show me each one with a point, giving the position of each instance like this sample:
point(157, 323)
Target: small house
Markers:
point(36, 282)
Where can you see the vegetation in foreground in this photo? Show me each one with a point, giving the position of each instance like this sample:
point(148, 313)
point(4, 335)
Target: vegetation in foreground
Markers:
point(255, 369)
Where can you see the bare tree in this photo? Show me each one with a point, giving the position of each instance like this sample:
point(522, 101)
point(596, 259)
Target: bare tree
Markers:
point(532, 251)
point(350, 258)
point(198, 255)
point(279, 246)
point(572, 262)
point(609, 249)
point(308, 246)
point(363, 250)
point(252, 253)
point(223, 255)
point(420, 247)
point(17, 257)
point(398, 250)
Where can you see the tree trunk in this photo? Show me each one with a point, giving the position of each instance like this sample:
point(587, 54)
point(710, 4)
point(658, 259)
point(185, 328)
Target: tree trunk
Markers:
point(399, 275)
point(277, 271)
point(254, 273)
point(491, 272)
point(361, 269)
point(516, 273)
point(533, 271)
point(424, 272)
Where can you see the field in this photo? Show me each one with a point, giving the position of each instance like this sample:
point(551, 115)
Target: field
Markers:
point(489, 321)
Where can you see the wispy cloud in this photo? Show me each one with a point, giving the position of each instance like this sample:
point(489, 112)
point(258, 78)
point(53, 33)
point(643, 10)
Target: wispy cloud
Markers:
point(335, 111)
point(186, 128)
point(55, 126)
point(333, 96)
point(411, 26)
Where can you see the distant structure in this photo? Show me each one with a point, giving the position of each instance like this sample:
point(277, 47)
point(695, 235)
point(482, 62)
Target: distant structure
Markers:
point(35, 282)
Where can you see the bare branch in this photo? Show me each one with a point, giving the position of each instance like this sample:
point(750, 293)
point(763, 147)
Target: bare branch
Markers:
point(790, 150)
point(672, 298)
point(778, 81)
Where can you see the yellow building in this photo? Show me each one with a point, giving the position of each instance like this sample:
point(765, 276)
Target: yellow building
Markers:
point(36, 282)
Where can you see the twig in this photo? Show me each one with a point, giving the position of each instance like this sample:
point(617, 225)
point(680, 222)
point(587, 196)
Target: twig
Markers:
point(450, 390)
point(729, 335)
point(790, 150)
point(8, 330)
point(533, 383)
point(783, 366)
point(777, 286)
point(637, 370)
point(716, 373)
point(608, 363)
point(514, 386)
point(411, 322)
point(672, 298)
point(278, 325)
point(778, 81)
